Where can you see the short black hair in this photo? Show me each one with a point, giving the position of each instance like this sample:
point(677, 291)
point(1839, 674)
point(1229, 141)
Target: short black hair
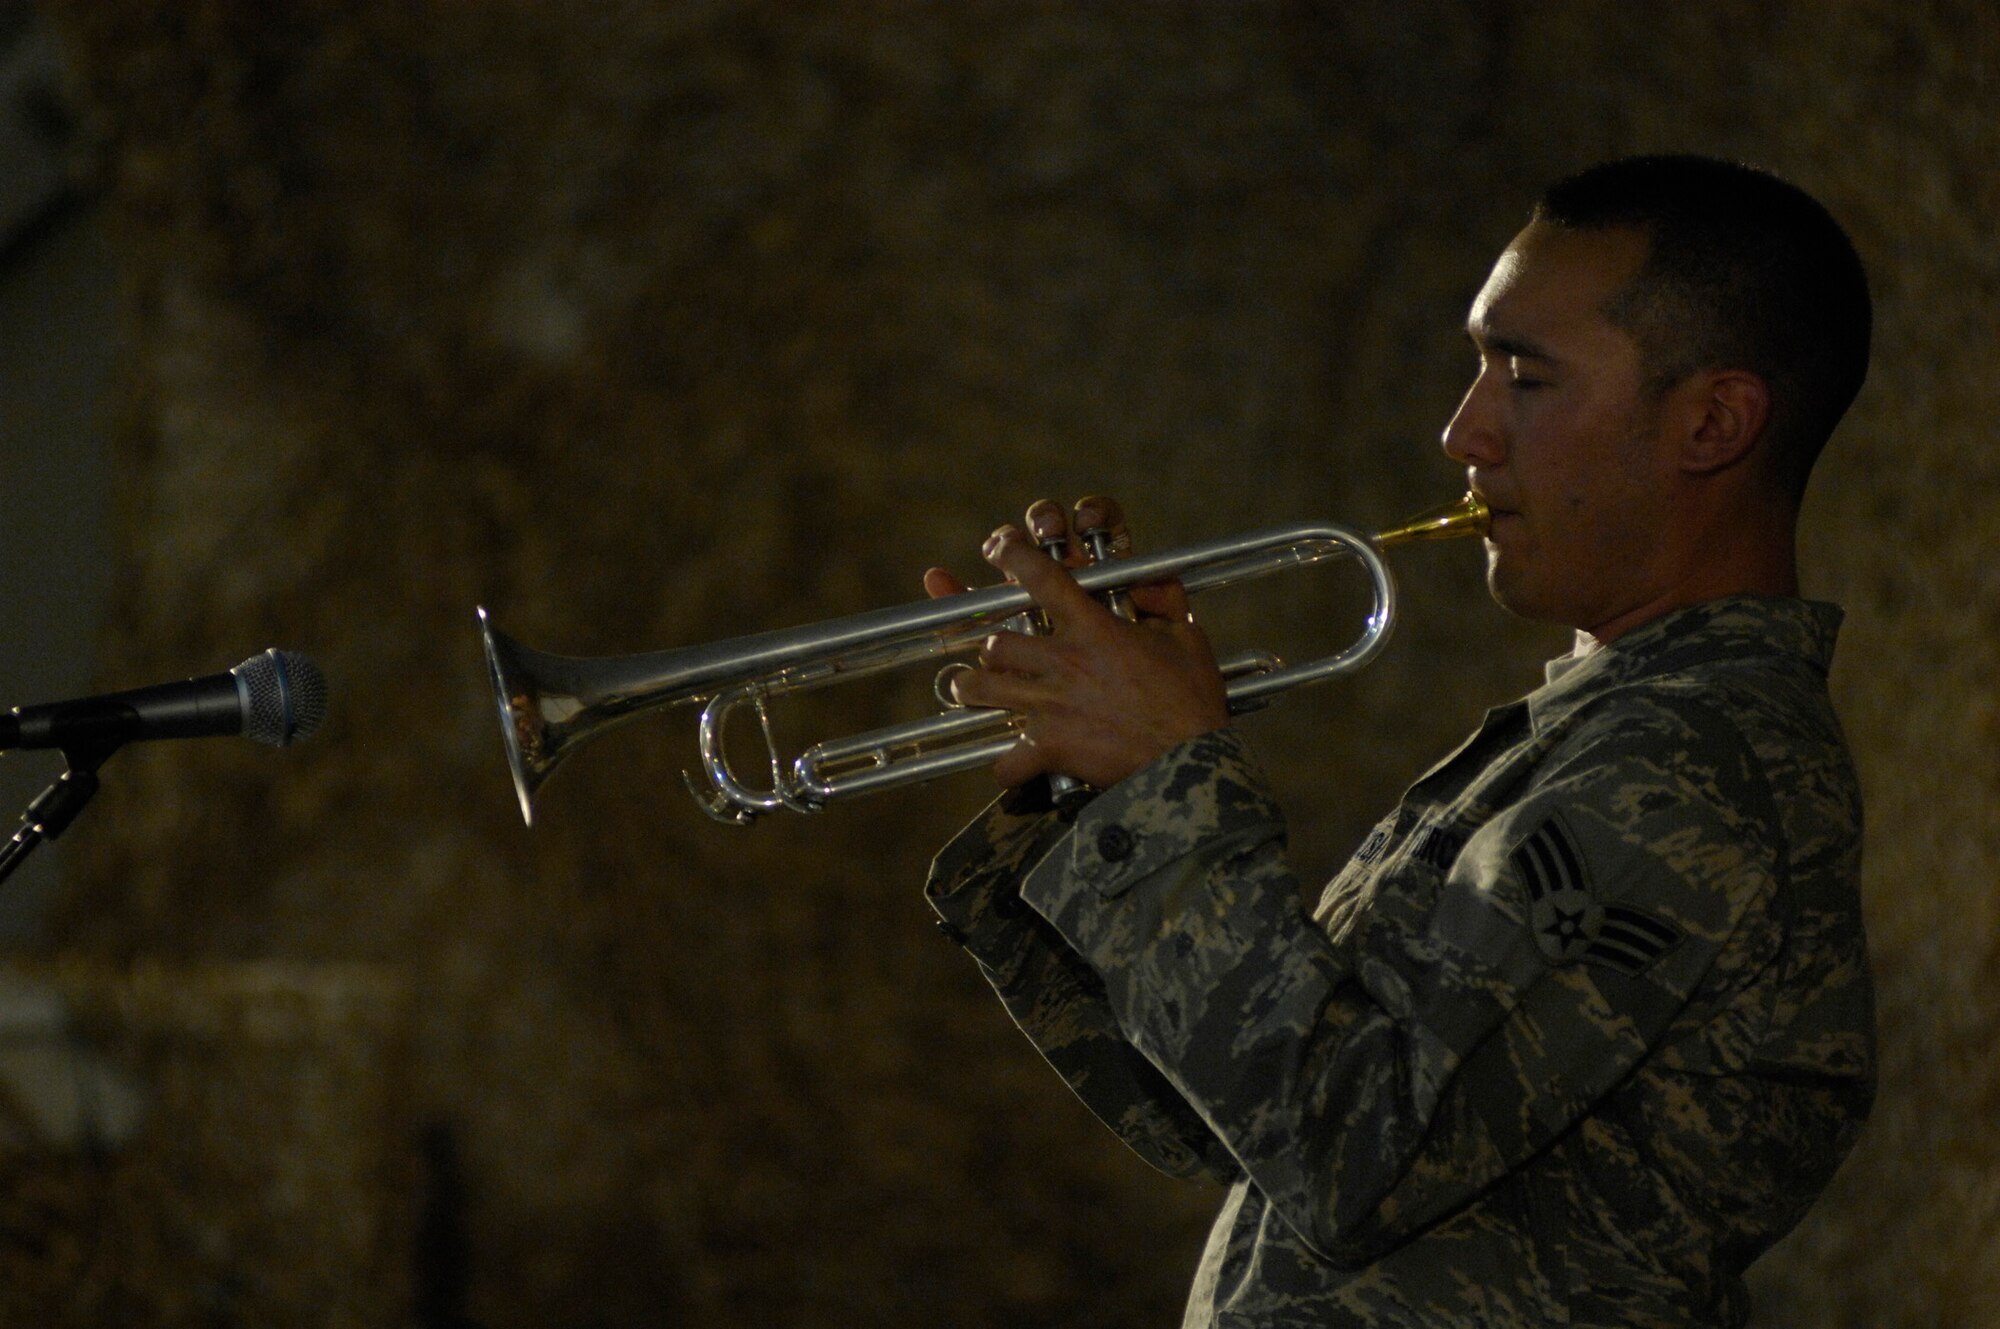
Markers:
point(1743, 271)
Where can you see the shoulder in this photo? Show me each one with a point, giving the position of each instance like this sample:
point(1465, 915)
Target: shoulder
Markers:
point(1658, 745)
point(1654, 794)
point(1751, 742)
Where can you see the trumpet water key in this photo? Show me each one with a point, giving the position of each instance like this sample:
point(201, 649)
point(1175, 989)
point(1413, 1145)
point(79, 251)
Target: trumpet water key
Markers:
point(551, 703)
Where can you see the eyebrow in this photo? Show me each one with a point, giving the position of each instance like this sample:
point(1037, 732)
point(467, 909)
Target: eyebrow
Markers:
point(1507, 344)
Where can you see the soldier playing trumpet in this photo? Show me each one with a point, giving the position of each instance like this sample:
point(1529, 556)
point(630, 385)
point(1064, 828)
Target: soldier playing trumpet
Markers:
point(1585, 1025)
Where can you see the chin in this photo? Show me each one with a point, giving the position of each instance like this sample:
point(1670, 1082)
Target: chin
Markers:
point(1503, 580)
point(1521, 597)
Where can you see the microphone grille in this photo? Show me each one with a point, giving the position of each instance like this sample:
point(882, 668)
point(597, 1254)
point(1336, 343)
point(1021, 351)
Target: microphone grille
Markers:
point(287, 697)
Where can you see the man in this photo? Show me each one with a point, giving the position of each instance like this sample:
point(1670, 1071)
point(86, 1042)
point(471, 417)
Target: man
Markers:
point(1586, 1024)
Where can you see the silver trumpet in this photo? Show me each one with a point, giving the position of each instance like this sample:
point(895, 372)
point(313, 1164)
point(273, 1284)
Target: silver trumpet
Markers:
point(550, 703)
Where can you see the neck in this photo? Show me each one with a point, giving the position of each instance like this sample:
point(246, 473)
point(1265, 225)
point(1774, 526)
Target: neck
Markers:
point(1740, 550)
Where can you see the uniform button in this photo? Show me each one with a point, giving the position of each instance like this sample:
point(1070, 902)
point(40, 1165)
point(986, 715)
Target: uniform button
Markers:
point(951, 932)
point(1114, 844)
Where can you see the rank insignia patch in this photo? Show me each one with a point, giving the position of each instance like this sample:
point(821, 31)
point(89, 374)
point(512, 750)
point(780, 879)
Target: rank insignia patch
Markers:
point(1631, 939)
point(1568, 923)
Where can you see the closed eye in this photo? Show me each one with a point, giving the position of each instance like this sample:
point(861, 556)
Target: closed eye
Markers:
point(1522, 379)
point(1514, 354)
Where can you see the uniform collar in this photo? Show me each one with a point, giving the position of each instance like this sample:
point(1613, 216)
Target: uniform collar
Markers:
point(1734, 627)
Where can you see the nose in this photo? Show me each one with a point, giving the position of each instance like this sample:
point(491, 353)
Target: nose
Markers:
point(1473, 437)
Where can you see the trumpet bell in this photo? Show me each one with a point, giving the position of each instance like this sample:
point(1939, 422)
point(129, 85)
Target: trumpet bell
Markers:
point(549, 703)
point(534, 745)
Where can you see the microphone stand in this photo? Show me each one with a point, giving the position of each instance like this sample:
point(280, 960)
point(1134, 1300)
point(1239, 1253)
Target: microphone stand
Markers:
point(56, 807)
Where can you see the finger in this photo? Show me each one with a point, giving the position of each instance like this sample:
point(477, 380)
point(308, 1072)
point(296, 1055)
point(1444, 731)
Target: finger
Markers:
point(1018, 653)
point(1099, 511)
point(1046, 520)
point(1163, 599)
point(1048, 523)
point(1044, 579)
point(939, 582)
point(996, 689)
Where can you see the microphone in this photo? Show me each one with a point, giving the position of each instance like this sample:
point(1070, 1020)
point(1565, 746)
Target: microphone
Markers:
point(277, 697)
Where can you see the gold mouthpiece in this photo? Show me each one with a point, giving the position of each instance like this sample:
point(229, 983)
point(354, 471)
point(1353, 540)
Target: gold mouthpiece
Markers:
point(1468, 516)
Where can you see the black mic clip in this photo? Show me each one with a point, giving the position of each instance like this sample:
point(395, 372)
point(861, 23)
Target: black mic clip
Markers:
point(57, 806)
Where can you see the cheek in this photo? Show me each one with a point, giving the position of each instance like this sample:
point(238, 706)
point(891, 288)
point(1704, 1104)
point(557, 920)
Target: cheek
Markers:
point(1550, 541)
point(1591, 465)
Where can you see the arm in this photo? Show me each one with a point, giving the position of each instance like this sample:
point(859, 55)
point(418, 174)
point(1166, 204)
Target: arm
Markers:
point(1372, 1087)
point(1055, 997)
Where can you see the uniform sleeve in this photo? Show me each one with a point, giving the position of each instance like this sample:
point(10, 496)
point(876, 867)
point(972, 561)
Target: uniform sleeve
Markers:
point(1371, 1088)
point(1056, 998)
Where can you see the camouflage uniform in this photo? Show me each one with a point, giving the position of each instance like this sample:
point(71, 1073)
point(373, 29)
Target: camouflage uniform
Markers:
point(1583, 1027)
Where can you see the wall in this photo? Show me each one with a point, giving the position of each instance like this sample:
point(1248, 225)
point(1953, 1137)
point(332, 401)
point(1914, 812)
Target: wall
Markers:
point(57, 347)
point(647, 325)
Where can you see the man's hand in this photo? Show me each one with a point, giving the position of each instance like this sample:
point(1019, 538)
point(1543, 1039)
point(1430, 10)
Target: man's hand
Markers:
point(1098, 697)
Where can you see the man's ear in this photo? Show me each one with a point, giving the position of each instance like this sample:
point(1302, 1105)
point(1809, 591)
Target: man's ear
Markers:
point(1726, 411)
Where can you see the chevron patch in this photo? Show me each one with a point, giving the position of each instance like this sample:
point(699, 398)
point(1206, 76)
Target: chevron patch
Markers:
point(1629, 940)
point(1568, 923)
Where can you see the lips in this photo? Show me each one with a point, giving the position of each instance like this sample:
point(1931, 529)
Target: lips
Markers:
point(1499, 523)
point(1495, 511)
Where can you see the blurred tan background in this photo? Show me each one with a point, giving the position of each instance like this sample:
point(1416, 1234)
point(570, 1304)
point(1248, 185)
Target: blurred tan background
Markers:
point(647, 324)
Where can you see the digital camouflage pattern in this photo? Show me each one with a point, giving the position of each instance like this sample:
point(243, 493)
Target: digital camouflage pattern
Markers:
point(1582, 1028)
